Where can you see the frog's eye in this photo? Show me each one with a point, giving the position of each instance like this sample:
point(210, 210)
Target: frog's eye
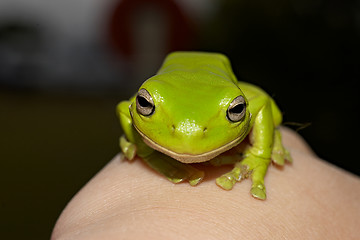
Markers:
point(144, 103)
point(237, 109)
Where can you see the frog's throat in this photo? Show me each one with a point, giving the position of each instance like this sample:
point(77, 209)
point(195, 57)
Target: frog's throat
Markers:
point(193, 158)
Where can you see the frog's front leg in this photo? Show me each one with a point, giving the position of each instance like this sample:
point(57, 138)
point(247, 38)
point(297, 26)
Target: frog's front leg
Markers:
point(172, 169)
point(256, 156)
point(127, 148)
point(131, 144)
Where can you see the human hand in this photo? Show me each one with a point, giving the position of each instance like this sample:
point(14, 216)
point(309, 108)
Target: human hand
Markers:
point(309, 199)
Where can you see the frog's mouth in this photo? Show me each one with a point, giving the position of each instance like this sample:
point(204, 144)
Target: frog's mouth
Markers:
point(192, 158)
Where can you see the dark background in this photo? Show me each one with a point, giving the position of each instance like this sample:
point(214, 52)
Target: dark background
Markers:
point(61, 76)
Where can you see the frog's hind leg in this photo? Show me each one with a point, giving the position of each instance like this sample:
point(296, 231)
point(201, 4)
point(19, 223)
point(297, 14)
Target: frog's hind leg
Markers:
point(279, 153)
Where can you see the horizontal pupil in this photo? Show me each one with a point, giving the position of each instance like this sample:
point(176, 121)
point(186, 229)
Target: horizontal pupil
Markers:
point(143, 102)
point(237, 109)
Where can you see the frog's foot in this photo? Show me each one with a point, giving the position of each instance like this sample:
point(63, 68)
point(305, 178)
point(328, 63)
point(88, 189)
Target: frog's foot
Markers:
point(189, 173)
point(279, 157)
point(258, 167)
point(228, 180)
point(195, 177)
point(128, 148)
point(279, 153)
point(253, 166)
point(174, 170)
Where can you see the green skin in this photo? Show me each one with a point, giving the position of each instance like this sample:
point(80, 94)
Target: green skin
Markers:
point(188, 121)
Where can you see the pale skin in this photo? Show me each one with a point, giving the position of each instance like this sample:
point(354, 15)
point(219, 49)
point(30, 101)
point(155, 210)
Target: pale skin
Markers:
point(309, 199)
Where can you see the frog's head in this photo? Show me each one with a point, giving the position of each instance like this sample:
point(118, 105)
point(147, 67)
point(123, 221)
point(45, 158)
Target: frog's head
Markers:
point(191, 121)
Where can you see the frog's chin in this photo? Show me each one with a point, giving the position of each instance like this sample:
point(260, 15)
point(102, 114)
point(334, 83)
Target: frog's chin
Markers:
point(191, 158)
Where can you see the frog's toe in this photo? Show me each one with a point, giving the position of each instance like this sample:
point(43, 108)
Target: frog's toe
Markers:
point(278, 158)
point(130, 153)
point(258, 191)
point(191, 174)
point(176, 176)
point(196, 178)
point(175, 180)
point(128, 148)
point(226, 181)
point(288, 156)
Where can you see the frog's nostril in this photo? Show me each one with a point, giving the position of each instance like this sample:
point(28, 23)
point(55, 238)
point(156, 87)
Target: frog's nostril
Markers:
point(205, 129)
point(173, 128)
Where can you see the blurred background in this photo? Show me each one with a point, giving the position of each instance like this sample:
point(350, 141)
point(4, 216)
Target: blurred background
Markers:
point(65, 64)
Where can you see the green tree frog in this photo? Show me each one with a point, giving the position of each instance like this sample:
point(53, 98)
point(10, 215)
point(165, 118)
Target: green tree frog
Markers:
point(194, 110)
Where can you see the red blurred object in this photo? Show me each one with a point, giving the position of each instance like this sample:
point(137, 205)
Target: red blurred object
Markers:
point(179, 35)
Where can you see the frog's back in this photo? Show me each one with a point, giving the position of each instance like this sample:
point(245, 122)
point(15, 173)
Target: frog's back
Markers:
point(215, 64)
